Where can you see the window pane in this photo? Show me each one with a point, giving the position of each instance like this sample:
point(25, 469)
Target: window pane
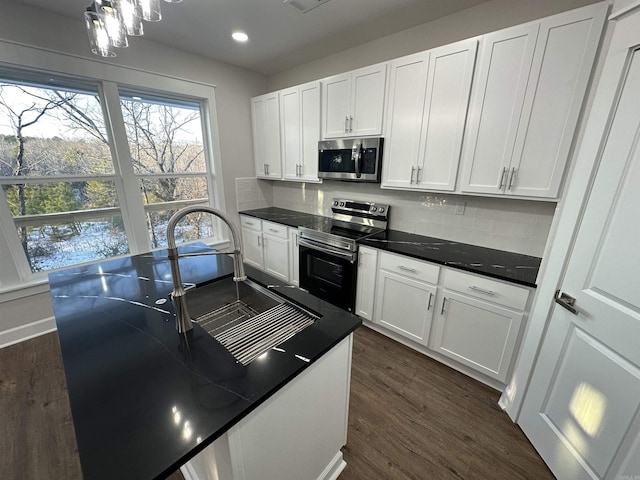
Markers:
point(58, 197)
point(51, 132)
point(62, 244)
point(159, 190)
point(193, 227)
point(164, 137)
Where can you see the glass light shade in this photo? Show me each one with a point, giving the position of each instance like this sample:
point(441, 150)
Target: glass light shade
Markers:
point(173, 1)
point(151, 10)
point(131, 13)
point(113, 23)
point(98, 37)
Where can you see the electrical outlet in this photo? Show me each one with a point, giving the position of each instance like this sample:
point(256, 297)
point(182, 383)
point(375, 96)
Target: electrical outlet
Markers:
point(459, 210)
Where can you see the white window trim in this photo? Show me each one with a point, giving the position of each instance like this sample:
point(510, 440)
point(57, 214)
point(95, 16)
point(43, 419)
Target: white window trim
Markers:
point(16, 276)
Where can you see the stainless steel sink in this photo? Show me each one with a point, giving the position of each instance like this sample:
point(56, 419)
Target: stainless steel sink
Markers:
point(248, 321)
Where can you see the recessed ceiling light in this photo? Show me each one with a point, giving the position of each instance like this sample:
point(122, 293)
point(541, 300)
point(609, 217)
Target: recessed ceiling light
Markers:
point(240, 37)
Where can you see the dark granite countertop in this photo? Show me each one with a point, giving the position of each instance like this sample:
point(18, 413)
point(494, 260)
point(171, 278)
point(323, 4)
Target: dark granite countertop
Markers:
point(508, 266)
point(145, 399)
point(512, 267)
point(290, 218)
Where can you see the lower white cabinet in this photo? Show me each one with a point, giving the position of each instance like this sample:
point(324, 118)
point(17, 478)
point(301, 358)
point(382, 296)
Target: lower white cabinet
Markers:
point(476, 333)
point(267, 247)
point(294, 257)
point(405, 297)
point(471, 322)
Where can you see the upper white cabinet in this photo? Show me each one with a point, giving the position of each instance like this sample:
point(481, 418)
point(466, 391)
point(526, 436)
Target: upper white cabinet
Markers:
point(528, 92)
point(427, 103)
point(353, 103)
point(300, 130)
point(265, 115)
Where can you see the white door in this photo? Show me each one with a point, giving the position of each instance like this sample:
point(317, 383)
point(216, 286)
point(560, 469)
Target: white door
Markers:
point(367, 100)
point(336, 92)
point(445, 113)
point(290, 131)
point(276, 256)
point(272, 135)
point(405, 107)
point(294, 257)
point(252, 248)
point(504, 63)
point(366, 284)
point(310, 130)
point(582, 408)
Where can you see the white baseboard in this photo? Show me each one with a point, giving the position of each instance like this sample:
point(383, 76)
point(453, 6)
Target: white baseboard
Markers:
point(25, 332)
point(334, 469)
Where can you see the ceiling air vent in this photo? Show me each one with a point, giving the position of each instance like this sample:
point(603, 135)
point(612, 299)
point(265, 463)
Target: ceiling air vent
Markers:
point(303, 6)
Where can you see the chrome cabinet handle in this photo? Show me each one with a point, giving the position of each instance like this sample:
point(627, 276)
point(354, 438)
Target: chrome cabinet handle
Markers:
point(273, 230)
point(346, 123)
point(444, 300)
point(350, 123)
point(413, 170)
point(407, 269)
point(482, 290)
point(249, 223)
point(266, 169)
point(296, 236)
point(502, 177)
point(259, 244)
point(429, 304)
point(512, 177)
point(418, 179)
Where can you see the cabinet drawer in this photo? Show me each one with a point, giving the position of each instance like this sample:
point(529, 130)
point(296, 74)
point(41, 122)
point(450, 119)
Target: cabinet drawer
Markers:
point(409, 267)
point(275, 229)
point(251, 223)
point(486, 289)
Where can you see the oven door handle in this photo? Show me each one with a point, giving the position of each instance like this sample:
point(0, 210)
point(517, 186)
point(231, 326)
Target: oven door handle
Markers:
point(304, 242)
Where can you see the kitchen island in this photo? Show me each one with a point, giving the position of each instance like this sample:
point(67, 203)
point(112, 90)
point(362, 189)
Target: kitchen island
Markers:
point(145, 400)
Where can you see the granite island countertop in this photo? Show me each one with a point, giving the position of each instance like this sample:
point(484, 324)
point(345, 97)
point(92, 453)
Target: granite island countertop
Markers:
point(146, 399)
point(508, 266)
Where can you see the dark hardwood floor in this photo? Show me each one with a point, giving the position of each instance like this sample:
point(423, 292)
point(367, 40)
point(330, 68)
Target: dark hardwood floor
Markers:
point(410, 418)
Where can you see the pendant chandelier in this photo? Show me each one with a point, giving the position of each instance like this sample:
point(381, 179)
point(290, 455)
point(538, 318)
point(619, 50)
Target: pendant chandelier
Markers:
point(110, 22)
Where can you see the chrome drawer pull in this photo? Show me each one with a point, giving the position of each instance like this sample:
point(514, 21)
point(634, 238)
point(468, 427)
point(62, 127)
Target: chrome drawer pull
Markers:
point(482, 290)
point(274, 230)
point(444, 300)
point(412, 270)
point(429, 304)
point(502, 177)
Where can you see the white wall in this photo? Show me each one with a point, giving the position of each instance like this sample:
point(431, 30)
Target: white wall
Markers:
point(486, 17)
point(22, 24)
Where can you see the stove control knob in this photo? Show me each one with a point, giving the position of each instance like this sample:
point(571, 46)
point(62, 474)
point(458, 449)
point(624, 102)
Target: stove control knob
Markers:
point(342, 204)
point(335, 203)
point(381, 210)
point(374, 209)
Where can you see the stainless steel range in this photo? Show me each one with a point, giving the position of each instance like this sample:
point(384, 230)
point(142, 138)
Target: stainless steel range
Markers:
point(329, 249)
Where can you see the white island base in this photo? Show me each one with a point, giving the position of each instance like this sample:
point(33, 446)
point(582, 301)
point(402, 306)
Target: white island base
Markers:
point(297, 434)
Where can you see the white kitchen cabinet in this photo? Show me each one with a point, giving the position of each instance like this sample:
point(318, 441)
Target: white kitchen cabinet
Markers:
point(478, 322)
point(265, 116)
point(353, 103)
point(266, 246)
point(529, 87)
point(406, 291)
point(300, 130)
point(366, 284)
point(294, 257)
point(427, 102)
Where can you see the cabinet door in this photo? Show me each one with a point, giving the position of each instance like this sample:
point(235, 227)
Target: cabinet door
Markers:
point(404, 305)
point(367, 100)
point(366, 285)
point(252, 245)
point(562, 65)
point(335, 106)
point(501, 80)
point(475, 333)
point(405, 107)
point(310, 130)
point(276, 257)
point(445, 112)
point(294, 258)
point(290, 130)
point(265, 111)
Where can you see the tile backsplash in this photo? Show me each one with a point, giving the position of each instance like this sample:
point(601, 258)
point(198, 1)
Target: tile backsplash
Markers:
point(519, 226)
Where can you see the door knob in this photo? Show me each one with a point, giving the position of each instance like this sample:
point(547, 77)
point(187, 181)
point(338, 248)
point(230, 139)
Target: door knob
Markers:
point(566, 301)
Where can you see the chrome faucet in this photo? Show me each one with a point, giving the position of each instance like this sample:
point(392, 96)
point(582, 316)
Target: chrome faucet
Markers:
point(183, 319)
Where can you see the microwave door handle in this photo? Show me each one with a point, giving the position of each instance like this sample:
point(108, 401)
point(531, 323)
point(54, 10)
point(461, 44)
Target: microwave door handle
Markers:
point(357, 156)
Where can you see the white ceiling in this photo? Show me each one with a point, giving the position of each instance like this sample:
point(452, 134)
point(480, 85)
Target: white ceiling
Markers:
point(280, 36)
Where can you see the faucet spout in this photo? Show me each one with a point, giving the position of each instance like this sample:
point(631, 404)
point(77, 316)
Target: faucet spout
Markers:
point(178, 296)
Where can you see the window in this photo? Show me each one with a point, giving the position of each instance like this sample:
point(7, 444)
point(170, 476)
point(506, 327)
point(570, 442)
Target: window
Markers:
point(167, 153)
point(65, 191)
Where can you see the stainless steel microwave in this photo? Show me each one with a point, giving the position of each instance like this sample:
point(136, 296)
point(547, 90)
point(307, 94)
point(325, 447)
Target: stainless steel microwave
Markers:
point(353, 159)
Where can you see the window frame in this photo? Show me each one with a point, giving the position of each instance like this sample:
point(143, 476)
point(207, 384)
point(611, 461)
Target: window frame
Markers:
point(41, 63)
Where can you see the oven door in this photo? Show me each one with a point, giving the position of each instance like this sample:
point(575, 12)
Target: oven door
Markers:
point(329, 274)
